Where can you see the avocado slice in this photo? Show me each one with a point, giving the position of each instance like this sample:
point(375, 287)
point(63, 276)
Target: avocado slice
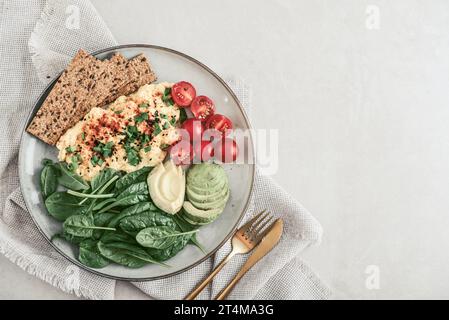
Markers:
point(220, 202)
point(206, 175)
point(199, 196)
point(183, 216)
point(198, 215)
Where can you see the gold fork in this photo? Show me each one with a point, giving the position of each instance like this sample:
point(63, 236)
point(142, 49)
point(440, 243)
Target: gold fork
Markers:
point(243, 241)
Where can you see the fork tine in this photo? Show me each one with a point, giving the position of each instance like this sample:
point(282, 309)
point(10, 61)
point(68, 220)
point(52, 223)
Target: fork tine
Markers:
point(248, 225)
point(258, 222)
point(259, 234)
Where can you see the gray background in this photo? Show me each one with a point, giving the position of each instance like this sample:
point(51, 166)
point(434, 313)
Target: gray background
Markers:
point(362, 115)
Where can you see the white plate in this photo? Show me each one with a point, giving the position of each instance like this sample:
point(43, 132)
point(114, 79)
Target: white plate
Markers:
point(171, 66)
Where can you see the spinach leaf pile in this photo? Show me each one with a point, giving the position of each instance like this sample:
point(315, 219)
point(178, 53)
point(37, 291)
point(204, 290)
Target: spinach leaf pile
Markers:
point(112, 219)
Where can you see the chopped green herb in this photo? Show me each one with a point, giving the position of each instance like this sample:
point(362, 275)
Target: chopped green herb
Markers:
point(100, 161)
point(166, 126)
point(83, 136)
point(173, 121)
point(164, 146)
point(156, 114)
point(144, 139)
point(118, 111)
point(141, 117)
point(74, 160)
point(94, 160)
point(157, 129)
point(147, 149)
point(164, 116)
point(182, 115)
point(132, 155)
point(143, 105)
point(70, 149)
point(104, 149)
point(132, 132)
point(167, 97)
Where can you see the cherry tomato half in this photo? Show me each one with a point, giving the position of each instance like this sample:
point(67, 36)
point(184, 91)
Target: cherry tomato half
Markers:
point(226, 150)
point(219, 122)
point(182, 152)
point(183, 93)
point(204, 150)
point(194, 129)
point(202, 107)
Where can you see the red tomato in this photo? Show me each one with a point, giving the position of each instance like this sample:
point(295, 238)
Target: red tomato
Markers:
point(219, 122)
point(194, 129)
point(226, 150)
point(183, 93)
point(182, 152)
point(204, 150)
point(202, 107)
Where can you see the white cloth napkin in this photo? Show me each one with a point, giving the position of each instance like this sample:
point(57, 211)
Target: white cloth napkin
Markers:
point(37, 41)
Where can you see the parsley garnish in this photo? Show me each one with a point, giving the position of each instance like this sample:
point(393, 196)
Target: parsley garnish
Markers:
point(143, 105)
point(132, 132)
point(83, 136)
point(104, 149)
point(70, 149)
point(166, 125)
point(182, 115)
point(167, 97)
point(141, 117)
point(94, 160)
point(144, 139)
point(173, 121)
point(147, 149)
point(132, 155)
point(157, 129)
point(164, 146)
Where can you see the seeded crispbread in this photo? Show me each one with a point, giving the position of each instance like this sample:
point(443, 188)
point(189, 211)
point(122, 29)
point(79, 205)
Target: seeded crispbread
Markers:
point(140, 73)
point(86, 83)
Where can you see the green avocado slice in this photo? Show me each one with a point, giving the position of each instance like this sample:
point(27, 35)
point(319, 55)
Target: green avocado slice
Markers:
point(220, 202)
point(199, 196)
point(198, 215)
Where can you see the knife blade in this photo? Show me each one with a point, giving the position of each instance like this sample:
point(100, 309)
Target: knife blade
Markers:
point(267, 243)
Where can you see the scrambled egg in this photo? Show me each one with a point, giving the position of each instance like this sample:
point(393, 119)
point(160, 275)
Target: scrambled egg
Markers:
point(132, 132)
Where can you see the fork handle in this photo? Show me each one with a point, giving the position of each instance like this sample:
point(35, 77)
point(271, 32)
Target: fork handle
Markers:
point(206, 281)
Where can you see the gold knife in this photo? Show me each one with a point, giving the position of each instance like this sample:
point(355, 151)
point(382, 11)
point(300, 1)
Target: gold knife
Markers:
point(265, 246)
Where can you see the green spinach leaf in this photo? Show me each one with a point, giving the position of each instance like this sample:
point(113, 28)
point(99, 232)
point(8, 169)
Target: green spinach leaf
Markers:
point(81, 226)
point(101, 220)
point(90, 256)
point(102, 178)
point(125, 254)
point(185, 226)
point(69, 179)
point(61, 205)
point(131, 178)
point(49, 180)
point(165, 254)
point(133, 224)
point(160, 237)
point(135, 209)
point(133, 194)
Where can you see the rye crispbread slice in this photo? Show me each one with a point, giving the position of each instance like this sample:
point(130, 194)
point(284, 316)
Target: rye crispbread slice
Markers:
point(87, 83)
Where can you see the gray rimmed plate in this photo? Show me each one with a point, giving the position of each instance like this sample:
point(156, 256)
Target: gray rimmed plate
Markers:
point(172, 66)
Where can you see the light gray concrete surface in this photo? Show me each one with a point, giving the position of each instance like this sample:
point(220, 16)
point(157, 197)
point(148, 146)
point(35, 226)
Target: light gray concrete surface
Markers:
point(362, 111)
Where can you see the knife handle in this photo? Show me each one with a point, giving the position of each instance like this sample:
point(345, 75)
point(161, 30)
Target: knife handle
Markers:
point(263, 248)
